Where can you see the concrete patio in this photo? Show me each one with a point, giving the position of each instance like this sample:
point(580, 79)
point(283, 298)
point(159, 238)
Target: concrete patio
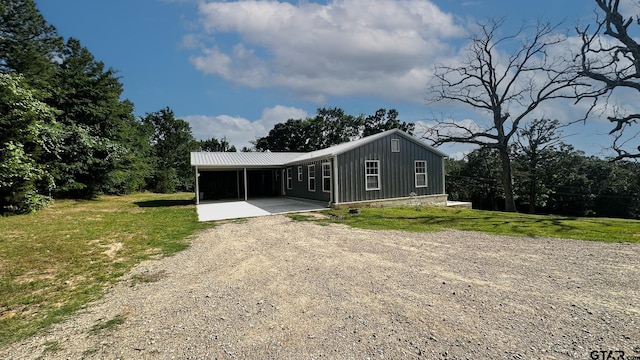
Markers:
point(235, 209)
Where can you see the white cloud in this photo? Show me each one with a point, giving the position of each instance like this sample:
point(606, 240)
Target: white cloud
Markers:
point(384, 48)
point(239, 131)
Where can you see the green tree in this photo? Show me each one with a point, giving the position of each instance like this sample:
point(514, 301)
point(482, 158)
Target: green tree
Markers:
point(214, 144)
point(535, 145)
point(475, 179)
point(172, 141)
point(28, 132)
point(28, 45)
point(331, 126)
point(383, 121)
point(97, 125)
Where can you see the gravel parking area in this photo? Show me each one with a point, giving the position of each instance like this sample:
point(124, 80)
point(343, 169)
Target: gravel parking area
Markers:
point(273, 288)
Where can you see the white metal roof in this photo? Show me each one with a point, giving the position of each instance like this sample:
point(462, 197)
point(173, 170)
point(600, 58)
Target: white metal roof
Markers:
point(267, 159)
point(241, 159)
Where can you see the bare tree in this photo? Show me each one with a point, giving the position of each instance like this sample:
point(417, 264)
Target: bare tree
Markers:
point(611, 56)
point(508, 87)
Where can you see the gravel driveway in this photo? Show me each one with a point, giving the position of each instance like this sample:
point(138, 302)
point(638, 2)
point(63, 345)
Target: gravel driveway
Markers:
point(272, 288)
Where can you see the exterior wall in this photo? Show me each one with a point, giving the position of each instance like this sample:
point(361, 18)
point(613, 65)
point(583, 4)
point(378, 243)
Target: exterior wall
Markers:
point(301, 188)
point(397, 170)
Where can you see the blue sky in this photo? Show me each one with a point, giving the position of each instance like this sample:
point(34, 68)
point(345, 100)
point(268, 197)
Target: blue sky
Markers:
point(236, 68)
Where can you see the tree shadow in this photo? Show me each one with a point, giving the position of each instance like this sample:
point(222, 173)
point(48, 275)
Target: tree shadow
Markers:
point(163, 203)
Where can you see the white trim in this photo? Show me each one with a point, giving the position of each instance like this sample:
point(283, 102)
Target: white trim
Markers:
point(416, 173)
point(309, 177)
point(328, 165)
point(299, 173)
point(289, 179)
point(376, 175)
point(396, 148)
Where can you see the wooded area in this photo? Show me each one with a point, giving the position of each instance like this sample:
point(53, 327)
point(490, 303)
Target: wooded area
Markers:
point(66, 132)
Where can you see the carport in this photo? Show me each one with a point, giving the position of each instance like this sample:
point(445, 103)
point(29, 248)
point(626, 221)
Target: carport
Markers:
point(224, 210)
point(238, 176)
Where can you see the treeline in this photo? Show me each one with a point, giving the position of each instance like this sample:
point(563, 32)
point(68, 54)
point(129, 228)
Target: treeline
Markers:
point(330, 126)
point(65, 132)
point(550, 177)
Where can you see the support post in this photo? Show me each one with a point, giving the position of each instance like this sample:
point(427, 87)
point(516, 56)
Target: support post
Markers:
point(197, 186)
point(245, 185)
point(334, 173)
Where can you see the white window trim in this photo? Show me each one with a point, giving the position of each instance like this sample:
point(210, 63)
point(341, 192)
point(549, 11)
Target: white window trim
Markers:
point(309, 177)
point(328, 165)
point(396, 148)
point(366, 176)
point(299, 173)
point(289, 179)
point(415, 170)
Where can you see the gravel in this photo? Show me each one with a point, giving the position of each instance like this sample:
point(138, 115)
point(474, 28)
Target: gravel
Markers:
point(270, 287)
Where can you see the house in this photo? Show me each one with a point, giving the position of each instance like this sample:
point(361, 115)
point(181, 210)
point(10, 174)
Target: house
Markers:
point(385, 167)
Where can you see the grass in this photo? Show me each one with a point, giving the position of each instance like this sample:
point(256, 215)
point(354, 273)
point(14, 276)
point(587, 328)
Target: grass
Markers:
point(54, 262)
point(439, 218)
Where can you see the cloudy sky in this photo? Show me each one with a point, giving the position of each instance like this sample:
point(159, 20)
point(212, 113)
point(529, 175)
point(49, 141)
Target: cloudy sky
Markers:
point(236, 68)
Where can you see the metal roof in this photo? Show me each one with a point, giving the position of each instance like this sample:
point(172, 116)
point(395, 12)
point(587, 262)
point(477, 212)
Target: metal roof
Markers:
point(241, 159)
point(277, 159)
point(348, 146)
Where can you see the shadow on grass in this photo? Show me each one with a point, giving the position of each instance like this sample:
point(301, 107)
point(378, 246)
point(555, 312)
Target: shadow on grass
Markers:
point(163, 203)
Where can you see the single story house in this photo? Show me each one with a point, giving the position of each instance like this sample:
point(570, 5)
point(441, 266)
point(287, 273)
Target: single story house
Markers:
point(387, 166)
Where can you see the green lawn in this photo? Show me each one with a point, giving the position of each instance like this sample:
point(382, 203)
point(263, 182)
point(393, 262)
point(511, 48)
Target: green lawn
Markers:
point(440, 218)
point(54, 262)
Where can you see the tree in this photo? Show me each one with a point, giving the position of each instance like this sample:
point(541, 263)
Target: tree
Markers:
point(28, 45)
point(331, 126)
point(535, 145)
point(383, 121)
point(610, 55)
point(507, 87)
point(474, 179)
point(214, 145)
point(28, 132)
point(172, 141)
point(100, 131)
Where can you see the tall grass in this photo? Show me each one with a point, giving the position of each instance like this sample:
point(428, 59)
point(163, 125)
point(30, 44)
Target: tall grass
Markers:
point(54, 262)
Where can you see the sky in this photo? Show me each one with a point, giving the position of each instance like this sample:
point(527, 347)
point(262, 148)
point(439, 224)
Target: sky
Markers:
point(236, 68)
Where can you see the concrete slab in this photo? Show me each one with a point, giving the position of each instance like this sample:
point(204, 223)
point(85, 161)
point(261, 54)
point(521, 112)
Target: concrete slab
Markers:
point(209, 211)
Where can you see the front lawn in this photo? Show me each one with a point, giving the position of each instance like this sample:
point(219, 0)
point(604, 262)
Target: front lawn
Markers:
point(54, 262)
point(440, 218)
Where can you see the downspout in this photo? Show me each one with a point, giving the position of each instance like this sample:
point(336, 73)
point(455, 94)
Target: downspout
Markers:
point(197, 186)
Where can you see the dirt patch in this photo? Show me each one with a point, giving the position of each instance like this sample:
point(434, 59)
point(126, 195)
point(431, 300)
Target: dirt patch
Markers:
point(271, 287)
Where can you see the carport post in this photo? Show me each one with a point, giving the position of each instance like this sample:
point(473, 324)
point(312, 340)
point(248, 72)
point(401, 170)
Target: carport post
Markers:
point(245, 184)
point(197, 186)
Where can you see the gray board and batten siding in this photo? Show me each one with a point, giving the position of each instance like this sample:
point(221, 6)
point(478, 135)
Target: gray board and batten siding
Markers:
point(396, 170)
point(340, 171)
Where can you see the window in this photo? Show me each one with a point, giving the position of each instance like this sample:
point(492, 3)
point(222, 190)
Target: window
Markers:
point(395, 145)
point(289, 185)
point(299, 173)
point(421, 173)
point(326, 177)
point(372, 174)
point(311, 174)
